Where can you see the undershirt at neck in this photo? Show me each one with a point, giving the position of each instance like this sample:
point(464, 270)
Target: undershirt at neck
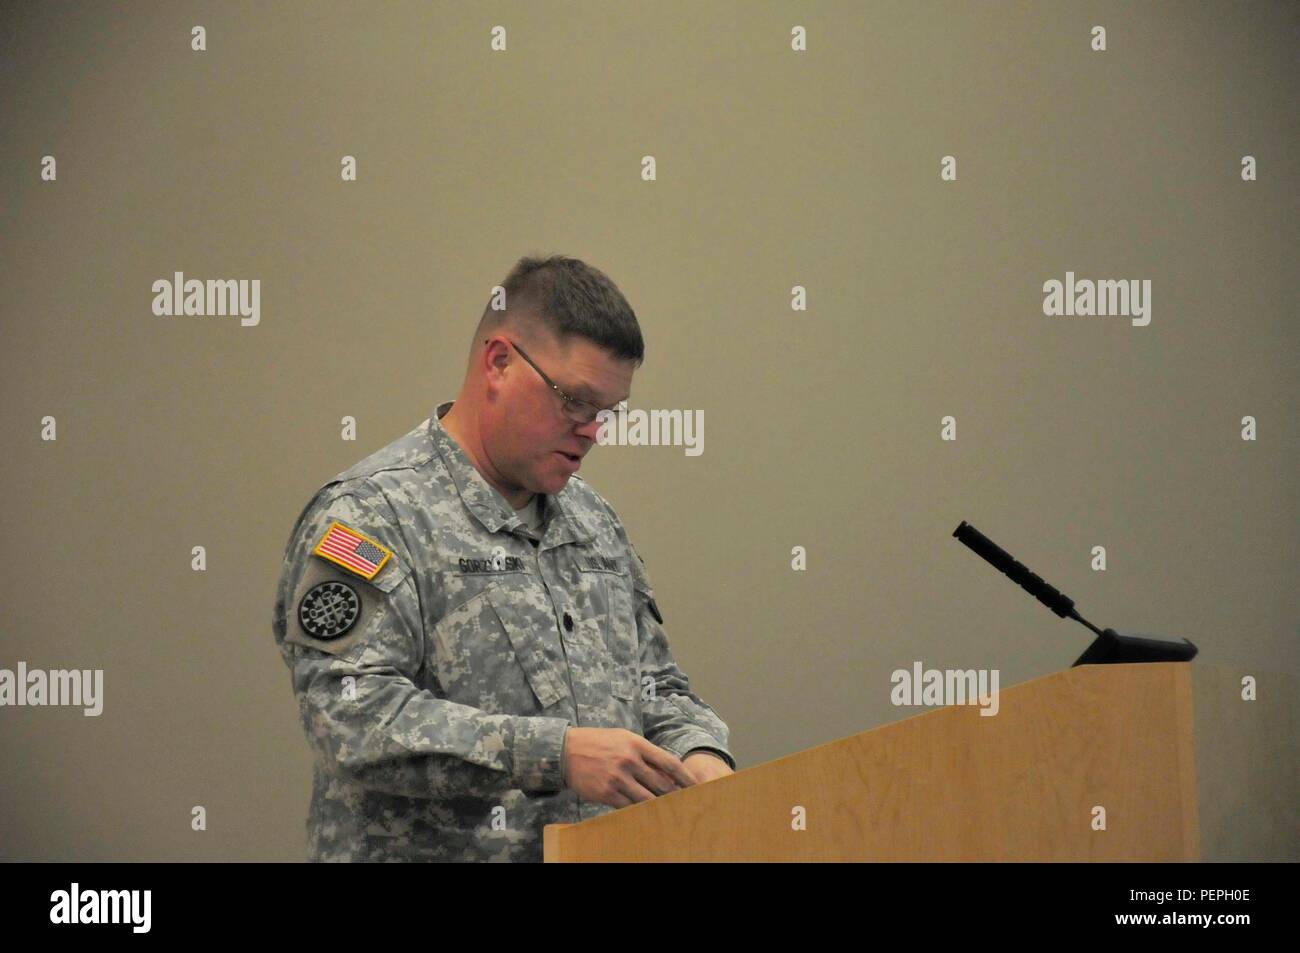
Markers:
point(531, 513)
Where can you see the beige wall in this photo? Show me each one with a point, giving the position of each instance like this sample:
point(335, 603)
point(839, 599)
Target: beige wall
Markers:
point(774, 169)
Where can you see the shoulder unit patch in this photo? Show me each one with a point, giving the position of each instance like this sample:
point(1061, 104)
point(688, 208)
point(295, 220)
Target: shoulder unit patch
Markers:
point(329, 610)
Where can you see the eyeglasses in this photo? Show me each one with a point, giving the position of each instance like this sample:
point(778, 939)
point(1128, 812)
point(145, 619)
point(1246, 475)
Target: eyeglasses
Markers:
point(579, 411)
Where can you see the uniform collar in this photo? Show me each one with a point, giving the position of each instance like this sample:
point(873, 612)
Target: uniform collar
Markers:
point(564, 519)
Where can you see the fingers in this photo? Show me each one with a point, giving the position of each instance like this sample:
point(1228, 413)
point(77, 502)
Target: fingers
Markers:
point(644, 779)
point(636, 769)
point(669, 764)
point(654, 779)
point(615, 799)
point(629, 788)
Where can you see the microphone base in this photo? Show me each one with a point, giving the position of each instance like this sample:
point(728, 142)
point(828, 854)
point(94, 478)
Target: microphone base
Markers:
point(1112, 648)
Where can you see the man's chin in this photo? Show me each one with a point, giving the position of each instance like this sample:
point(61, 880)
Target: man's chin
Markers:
point(555, 484)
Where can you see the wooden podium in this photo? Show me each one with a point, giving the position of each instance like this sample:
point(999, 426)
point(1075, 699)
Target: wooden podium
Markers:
point(1028, 783)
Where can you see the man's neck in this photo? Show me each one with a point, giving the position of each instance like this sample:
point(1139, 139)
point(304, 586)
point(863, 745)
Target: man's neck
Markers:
point(465, 433)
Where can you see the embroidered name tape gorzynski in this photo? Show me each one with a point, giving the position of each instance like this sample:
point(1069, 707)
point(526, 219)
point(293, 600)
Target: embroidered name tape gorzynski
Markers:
point(497, 564)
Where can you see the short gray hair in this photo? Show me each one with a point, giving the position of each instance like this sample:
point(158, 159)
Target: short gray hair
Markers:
point(570, 299)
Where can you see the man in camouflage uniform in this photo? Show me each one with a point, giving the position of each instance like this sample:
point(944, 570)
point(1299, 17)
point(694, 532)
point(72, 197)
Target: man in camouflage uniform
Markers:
point(473, 641)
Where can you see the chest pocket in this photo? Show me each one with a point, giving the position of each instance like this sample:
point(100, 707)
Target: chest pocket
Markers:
point(497, 654)
point(613, 599)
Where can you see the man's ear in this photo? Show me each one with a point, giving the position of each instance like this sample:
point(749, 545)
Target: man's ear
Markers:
point(496, 358)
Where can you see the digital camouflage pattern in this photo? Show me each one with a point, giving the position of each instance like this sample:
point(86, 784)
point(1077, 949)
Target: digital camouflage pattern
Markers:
point(437, 719)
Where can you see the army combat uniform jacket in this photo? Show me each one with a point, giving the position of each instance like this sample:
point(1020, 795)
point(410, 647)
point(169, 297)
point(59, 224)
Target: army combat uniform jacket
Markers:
point(439, 648)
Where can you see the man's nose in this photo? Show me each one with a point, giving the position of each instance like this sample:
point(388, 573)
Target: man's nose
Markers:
point(589, 430)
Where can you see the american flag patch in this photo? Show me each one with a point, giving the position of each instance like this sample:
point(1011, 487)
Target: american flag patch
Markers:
point(352, 551)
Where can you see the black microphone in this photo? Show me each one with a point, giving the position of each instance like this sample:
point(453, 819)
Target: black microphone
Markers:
point(1003, 561)
point(1109, 646)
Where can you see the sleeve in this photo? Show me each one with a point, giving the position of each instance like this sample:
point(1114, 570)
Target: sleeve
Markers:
point(354, 647)
point(674, 718)
point(721, 754)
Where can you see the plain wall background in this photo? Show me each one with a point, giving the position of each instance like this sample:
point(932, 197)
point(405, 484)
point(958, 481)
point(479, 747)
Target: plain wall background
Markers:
point(822, 428)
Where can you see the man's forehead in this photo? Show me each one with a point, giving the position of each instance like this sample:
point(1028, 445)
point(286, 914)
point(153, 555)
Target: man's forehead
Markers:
point(595, 374)
point(584, 392)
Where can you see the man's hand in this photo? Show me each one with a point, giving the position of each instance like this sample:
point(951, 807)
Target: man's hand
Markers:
point(706, 766)
point(618, 767)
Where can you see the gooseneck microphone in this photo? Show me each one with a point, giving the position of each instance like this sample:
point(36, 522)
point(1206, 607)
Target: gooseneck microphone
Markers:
point(1109, 646)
